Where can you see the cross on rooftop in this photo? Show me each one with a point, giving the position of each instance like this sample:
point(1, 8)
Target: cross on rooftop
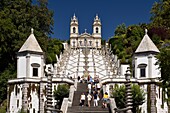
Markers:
point(85, 30)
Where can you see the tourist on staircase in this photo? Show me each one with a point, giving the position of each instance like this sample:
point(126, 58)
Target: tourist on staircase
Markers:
point(95, 95)
point(89, 97)
point(105, 100)
point(89, 87)
point(91, 79)
point(78, 78)
point(82, 99)
point(98, 87)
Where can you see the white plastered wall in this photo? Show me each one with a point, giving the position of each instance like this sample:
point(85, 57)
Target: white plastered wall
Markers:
point(21, 67)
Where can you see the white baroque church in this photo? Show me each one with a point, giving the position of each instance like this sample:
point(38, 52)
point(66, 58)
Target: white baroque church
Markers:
point(33, 87)
point(85, 40)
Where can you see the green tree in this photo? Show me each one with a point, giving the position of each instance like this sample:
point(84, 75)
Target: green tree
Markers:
point(161, 13)
point(7, 74)
point(55, 47)
point(126, 41)
point(138, 96)
point(120, 30)
point(134, 35)
point(164, 63)
point(164, 66)
point(21, 111)
point(17, 17)
point(61, 92)
point(3, 106)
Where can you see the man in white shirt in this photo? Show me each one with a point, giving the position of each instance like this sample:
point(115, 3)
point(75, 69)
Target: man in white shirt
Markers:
point(89, 97)
point(82, 99)
point(89, 88)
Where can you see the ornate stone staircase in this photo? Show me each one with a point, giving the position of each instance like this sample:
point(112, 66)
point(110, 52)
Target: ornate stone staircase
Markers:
point(81, 62)
point(74, 63)
point(76, 108)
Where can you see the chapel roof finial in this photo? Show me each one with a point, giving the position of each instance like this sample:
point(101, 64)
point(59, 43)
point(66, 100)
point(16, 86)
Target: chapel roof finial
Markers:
point(97, 17)
point(146, 31)
point(85, 30)
point(32, 31)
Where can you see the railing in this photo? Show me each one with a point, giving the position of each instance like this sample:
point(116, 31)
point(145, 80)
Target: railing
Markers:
point(64, 105)
point(112, 105)
point(67, 102)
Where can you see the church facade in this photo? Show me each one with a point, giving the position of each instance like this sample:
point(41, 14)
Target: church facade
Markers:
point(85, 39)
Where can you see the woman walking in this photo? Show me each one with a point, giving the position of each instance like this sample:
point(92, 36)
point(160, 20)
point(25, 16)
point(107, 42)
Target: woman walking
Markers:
point(89, 97)
point(82, 99)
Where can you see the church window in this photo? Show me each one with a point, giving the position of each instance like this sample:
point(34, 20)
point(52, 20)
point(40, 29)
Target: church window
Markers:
point(73, 43)
point(35, 72)
point(80, 43)
point(142, 70)
point(74, 30)
point(90, 42)
point(96, 44)
point(85, 41)
point(97, 30)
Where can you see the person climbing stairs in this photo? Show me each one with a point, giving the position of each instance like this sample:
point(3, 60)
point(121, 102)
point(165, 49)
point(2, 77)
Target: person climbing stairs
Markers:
point(77, 108)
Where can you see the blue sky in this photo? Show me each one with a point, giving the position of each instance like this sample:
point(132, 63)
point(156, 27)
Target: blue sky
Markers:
point(111, 12)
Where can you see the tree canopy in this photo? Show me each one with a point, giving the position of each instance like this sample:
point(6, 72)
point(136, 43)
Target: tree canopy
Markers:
point(138, 96)
point(60, 93)
point(164, 65)
point(161, 13)
point(127, 38)
point(125, 41)
point(17, 17)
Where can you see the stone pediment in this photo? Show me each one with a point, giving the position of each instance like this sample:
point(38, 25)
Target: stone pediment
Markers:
point(85, 35)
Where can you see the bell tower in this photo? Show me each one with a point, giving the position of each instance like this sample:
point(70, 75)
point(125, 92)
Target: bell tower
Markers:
point(97, 27)
point(74, 32)
point(74, 27)
point(97, 32)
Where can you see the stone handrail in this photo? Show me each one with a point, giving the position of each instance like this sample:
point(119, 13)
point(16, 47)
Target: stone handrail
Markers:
point(112, 105)
point(64, 105)
point(67, 102)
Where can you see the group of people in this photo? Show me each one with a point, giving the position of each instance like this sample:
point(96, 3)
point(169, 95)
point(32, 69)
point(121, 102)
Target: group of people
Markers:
point(90, 97)
point(94, 94)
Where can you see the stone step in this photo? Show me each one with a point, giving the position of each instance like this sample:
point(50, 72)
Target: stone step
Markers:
point(81, 88)
point(85, 109)
point(76, 108)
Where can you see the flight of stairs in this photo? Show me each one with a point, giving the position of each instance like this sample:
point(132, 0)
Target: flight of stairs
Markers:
point(76, 108)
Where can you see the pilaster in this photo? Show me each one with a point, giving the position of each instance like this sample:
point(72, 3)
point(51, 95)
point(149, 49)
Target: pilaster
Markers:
point(17, 66)
point(41, 97)
point(153, 98)
point(42, 66)
point(150, 66)
point(24, 94)
point(28, 65)
point(136, 68)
